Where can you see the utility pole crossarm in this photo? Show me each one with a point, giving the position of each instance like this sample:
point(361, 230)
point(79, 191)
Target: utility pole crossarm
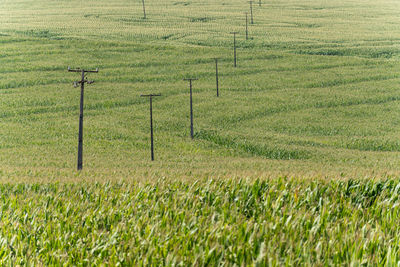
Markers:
point(150, 95)
point(79, 70)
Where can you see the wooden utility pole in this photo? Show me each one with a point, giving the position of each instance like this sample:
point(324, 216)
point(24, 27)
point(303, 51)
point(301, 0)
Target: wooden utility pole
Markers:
point(151, 122)
point(82, 82)
point(234, 48)
point(144, 10)
point(247, 27)
point(191, 105)
point(216, 75)
point(251, 12)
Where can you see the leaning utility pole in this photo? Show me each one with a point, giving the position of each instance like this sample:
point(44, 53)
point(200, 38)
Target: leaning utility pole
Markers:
point(151, 122)
point(144, 10)
point(82, 82)
point(191, 105)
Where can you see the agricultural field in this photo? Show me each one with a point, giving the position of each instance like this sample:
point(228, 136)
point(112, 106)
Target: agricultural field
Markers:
point(207, 223)
point(294, 164)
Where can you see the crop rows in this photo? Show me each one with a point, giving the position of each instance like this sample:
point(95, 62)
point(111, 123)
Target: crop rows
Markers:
point(315, 87)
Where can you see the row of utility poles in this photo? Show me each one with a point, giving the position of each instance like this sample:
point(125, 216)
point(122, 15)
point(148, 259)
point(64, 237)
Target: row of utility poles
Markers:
point(247, 28)
point(85, 80)
point(251, 9)
point(150, 96)
point(234, 33)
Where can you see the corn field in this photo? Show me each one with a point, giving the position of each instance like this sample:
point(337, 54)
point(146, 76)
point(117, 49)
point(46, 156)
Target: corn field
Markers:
point(234, 222)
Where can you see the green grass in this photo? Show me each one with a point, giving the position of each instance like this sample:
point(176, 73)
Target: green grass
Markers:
point(314, 94)
point(314, 98)
point(232, 222)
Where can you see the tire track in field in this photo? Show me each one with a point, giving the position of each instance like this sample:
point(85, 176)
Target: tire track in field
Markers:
point(243, 147)
point(56, 109)
point(172, 78)
point(322, 84)
point(50, 108)
point(234, 120)
point(339, 82)
point(125, 65)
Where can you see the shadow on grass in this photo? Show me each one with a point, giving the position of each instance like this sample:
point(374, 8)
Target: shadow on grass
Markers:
point(252, 149)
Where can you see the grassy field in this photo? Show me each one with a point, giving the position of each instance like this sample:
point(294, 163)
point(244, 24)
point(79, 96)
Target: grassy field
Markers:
point(282, 222)
point(208, 223)
point(314, 98)
point(314, 93)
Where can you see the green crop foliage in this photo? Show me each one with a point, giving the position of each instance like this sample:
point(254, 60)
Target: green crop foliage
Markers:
point(314, 98)
point(217, 222)
point(315, 93)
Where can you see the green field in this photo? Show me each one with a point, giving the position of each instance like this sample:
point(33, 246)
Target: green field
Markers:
point(313, 102)
point(209, 223)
